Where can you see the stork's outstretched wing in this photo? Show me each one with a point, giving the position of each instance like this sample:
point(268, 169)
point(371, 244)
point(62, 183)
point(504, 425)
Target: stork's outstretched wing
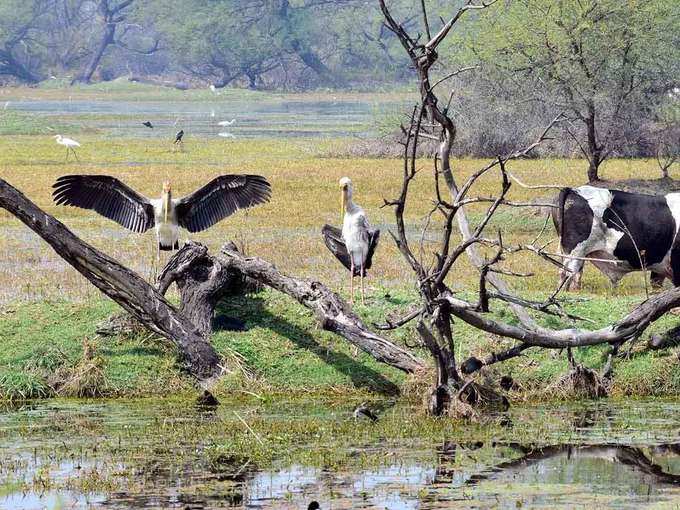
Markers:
point(332, 236)
point(220, 198)
point(108, 196)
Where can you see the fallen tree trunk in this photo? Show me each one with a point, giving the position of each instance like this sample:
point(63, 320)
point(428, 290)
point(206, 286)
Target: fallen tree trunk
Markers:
point(203, 280)
point(119, 283)
point(331, 310)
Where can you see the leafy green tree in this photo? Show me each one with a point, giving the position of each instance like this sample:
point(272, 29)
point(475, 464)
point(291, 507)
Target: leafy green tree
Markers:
point(221, 40)
point(21, 54)
point(606, 63)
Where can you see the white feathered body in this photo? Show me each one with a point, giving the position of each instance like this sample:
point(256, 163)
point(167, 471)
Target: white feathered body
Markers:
point(67, 142)
point(355, 229)
point(167, 231)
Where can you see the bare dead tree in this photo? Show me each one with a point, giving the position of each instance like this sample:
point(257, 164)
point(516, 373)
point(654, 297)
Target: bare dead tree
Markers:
point(439, 305)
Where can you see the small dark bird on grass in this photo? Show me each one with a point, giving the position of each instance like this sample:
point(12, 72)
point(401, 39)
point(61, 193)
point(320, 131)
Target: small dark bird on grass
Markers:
point(207, 399)
point(363, 411)
point(178, 137)
point(147, 124)
point(471, 365)
point(507, 382)
point(314, 505)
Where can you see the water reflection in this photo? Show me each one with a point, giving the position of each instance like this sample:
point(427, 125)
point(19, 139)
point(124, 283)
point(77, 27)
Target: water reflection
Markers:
point(80, 454)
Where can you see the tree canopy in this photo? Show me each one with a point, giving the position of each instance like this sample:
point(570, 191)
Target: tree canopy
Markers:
point(608, 64)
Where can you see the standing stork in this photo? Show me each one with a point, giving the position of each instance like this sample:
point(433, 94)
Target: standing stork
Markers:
point(206, 206)
point(69, 144)
point(355, 244)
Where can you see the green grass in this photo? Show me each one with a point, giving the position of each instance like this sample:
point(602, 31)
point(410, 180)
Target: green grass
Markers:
point(287, 353)
point(19, 123)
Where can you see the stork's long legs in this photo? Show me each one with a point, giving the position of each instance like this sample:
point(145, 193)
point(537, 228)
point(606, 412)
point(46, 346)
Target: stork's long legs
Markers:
point(66, 153)
point(74, 154)
point(351, 282)
point(361, 275)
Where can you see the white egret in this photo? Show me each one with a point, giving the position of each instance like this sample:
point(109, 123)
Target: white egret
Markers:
point(206, 206)
point(226, 135)
point(226, 122)
point(69, 144)
point(355, 244)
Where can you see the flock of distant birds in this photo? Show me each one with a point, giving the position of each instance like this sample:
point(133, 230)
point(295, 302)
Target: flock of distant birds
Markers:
point(71, 144)
point(353, 245)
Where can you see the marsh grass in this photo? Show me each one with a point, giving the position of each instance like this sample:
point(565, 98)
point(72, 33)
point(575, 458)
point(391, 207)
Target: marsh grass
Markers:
point(87, 377)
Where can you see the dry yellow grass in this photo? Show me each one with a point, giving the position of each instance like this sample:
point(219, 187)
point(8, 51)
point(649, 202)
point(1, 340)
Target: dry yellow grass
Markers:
point(286, 231)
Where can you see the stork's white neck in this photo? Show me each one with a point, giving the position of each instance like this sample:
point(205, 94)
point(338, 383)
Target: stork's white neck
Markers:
point(166, 200)
point(350, 206)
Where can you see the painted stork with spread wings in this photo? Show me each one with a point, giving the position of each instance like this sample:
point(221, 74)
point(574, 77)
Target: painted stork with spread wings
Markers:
point(355, 244)
point(206, 206)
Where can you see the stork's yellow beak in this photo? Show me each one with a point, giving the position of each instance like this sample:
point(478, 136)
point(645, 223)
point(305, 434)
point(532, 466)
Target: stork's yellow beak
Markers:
point(343, 198)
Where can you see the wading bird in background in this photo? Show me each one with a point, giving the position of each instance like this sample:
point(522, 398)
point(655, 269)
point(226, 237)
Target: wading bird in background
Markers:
point(226, 122)
point(206, 206)
point(148, 124)
point(69, 144)
point(355, 244)
point(178, 139)
point(226, 135)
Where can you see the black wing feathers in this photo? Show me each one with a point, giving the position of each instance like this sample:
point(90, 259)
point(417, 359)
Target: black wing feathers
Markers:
point(108, 196)
point(220, 198)
point(332, 236)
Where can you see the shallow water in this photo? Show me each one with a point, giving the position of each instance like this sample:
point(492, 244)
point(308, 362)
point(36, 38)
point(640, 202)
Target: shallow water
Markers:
point(254, 119)
point(144, 454)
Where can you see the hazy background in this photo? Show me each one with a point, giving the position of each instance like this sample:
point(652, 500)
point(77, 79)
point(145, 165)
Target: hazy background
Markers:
point(607, 63)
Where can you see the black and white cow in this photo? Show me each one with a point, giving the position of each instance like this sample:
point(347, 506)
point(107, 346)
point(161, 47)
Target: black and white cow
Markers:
point(629, 229)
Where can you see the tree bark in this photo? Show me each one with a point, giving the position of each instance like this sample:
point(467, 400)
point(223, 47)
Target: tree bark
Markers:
point(119, 283)
point(594, 149)
point(202, 282)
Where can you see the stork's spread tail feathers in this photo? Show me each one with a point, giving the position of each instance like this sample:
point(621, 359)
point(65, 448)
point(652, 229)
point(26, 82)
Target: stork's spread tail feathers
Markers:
point(332, 236)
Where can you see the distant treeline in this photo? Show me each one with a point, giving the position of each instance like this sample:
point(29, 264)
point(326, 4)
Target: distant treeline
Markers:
point(611, 66)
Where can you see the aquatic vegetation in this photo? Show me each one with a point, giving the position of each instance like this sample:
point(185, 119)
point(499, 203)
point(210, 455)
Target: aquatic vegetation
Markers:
point(169, 453)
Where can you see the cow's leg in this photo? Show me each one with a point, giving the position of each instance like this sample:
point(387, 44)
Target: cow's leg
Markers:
point(573, 269)
point(675, 265)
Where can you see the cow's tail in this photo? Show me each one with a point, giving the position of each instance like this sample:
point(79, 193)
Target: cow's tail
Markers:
point(558, 215)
